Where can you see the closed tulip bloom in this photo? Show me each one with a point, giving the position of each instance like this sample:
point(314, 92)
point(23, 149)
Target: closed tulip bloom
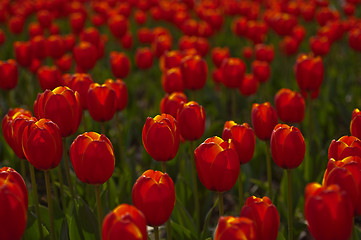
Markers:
point(328, 211)
point(233, 70)
point(13, 126)
point(8, 74)
point(102, 102)
point(264, 119)
point(120, 64)
point(49, 77)
point(23, 53)
point(217, 164)
point(13, 205)
point(16, 24)
point(320, 45)
point(194, 71)
point(144, 58)
point(243, 137)
point(264, 52)
point(120, 89)
point(62, 106)
point(261, 70)
point(309, 73)
point(287, 146)
point(249, 85)
point(55, 46)
point(191, 120)
point(77, 22)
point(92, 157)
point(290, 106)
point(85, 55)
point(65, 62)
point(42, 144)
point(81, 82)
point(347, 174)
point(153, 193)
point(38, 44)
point(172, 80)
point(355, 125)
point(344, 147)
point(264, 215)
point(118, 25)
point(125, 222)
point(235, 228)
point(219, 54)
point(171, 104)
point(161, 137)
point(170, 59)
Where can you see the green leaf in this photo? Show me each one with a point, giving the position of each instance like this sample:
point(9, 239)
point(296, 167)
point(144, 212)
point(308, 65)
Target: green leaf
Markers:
point(181, 231)
point(64, 232)
point(31, 231)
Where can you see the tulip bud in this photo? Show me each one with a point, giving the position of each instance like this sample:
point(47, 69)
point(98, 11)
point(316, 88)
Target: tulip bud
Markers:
point(170, 104)
point(153, 194)
point(121, 92)
point(233, 70)
point(124, 221)
point(191, 120)
point(92, 157)
point(120, 64)
point(194, 71)
point(85, 55)
point(102, 102)
point(249, 85)
point(8, 74)
point(172, 80)
point(161, 137)
point(264, 119)
point(144, 58)
point(290, 106)
point(42, 144)
point(81, 82)
point(236, 228)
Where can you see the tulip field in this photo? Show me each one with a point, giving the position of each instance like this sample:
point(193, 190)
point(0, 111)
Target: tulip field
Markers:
point(180, 119)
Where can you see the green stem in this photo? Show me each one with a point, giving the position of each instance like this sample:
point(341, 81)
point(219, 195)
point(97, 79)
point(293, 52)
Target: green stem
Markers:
point(290, 215)
point(99, 206)
point(60, 176)
point(67, 169)
point(220, 200)
point(120, 148)
point(23, 168)
point(156, 233)
point(308, 162)
point(164, 167)
point(36, 200)
point(269, 169)
point(240, 187)
point(50, 205)
point(195, 186)
point(102, 127)
point(169, 230)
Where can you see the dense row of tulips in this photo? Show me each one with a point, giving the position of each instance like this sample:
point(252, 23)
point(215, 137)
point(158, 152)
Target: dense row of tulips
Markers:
point(64, 64)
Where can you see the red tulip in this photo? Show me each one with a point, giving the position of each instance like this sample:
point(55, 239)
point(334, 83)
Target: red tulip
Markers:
point(16, 24)
point(102, 102)
point(328, 211)
point(145, 35)
point(35, 29)
point(264, 119)
point(172, 80)
point(118, 25)
point(309, 74)
point(8, 74)
point(235, 228)
point(153, 193)
point(161, 137)
point(344, 147)
point(124, 221)
point(243, 138)
point(121, 92)
point(355, 125)
point(64, 63)
point(290, 106)
point(217, 164)
point(171, 104)
point(62, 106)
point(347, 174)
point(120, 64)
point(77, 22)
point(140, 17)
point(81, 82)
point(219, 54)
point(69, 41)
point(42, 144)
point(144, 58)
point(289, 45)
point(287, 146)
point(38, 44)
point(49, 77)
point(191, 120)
point(247, 52)
point(13, 125)
point(23, 53)
point(127, 40)
point(13, 205)
point(92, 157)
point(44, 18)
point(90, 35)
point(170, 59)
point(233, 70)
point(161, 45)
point(264, 215)
point(85, 55)
point(194, 71)
point(264, 52)
point(261, 70)
point(55, 46)
point(354, 39)
point(320, 46)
